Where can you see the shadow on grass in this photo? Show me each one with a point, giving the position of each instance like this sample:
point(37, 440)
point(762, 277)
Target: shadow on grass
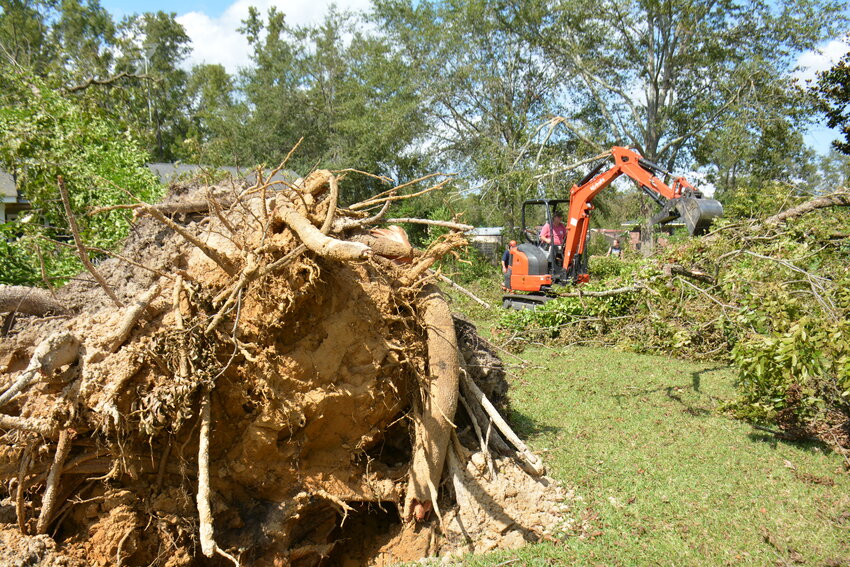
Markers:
point(775, 440)
point(696, 376)
point(525, 426)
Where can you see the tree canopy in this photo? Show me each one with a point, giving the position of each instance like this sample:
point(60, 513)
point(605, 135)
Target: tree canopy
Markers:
point(507, 95)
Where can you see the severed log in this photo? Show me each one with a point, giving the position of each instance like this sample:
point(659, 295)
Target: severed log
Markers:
point(433, 424)
point(523, 451)
point(48, 504)
point(81, 249)
point(28, 300)
point(53, 352)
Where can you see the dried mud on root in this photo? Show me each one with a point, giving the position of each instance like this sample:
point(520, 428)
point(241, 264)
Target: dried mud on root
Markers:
point(327, 369)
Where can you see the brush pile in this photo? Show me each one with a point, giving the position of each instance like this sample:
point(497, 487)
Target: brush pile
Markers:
point(259, 378)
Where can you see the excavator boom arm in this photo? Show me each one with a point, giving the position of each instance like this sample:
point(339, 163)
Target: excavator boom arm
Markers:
point(680, 199)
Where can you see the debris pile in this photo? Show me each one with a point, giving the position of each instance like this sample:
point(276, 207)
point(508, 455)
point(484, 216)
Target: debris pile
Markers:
point(264, 378)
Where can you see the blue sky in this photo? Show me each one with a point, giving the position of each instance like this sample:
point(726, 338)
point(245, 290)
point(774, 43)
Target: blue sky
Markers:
point(212, 26)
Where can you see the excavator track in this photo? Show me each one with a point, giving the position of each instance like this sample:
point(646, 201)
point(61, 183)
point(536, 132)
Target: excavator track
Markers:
point(530, 301)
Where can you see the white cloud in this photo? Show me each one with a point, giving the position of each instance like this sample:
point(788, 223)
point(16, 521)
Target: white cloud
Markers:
point(215, 39)
point(811, 62)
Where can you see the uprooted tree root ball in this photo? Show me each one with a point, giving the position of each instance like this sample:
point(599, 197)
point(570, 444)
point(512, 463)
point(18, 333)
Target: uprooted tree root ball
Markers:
point(281, 384)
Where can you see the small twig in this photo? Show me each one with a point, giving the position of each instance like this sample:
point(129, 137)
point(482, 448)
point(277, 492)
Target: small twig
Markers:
point(465, 291)
point(374, 201)
point(445, 224)
point(81, 249)
point(374, 198)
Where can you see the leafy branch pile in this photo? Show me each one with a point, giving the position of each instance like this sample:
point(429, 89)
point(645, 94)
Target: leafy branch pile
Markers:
point(769, 295)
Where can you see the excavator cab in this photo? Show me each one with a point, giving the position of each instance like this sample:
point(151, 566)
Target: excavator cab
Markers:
point(535, 265)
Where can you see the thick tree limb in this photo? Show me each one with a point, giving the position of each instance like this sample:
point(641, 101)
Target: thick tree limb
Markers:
point(81, 249)
point(48, 501)
point(107, 81)
point(838, 199)
point(29, 300)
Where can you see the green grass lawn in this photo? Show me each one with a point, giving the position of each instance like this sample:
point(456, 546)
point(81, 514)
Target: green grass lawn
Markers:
point(665, 479)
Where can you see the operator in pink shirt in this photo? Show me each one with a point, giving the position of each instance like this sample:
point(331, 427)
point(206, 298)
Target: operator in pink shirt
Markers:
point(556, 233)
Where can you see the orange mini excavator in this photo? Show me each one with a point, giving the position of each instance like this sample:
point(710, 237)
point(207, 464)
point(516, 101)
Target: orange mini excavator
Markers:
point(536, 268)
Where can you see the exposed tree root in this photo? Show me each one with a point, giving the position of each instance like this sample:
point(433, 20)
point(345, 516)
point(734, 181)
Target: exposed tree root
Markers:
point(55, 351)
point(48, 503)
point(28, 300)
point(434, 421)
point(336, 387)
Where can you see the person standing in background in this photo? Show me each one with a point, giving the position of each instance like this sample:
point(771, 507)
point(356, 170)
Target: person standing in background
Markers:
point(506, 264)
point(615, 249)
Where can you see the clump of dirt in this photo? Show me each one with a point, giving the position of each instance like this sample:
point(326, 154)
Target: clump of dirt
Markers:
point(278, 386)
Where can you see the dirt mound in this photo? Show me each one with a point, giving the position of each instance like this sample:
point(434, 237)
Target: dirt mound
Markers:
point(276, 382)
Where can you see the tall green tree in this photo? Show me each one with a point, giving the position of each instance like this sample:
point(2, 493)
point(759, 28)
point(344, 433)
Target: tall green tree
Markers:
point(663, 75)
point(833, 93)
point(47, 134)
point(343, 91)
point(486, 92)
point(154, 45)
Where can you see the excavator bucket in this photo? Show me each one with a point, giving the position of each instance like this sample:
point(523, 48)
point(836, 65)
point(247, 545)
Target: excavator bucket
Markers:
point(698, 214)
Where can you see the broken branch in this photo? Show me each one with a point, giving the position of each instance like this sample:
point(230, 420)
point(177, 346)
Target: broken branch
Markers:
point(81, 249)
